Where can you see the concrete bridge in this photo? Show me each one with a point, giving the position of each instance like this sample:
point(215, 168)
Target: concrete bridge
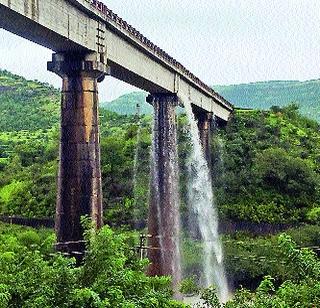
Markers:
point(90, 41)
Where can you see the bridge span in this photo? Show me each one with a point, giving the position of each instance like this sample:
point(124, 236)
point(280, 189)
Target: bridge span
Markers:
point(85, 26)
point(89, 42)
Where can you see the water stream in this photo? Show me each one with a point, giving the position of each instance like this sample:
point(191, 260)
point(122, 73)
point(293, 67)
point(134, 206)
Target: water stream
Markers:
point(136, 158)
point(201, 199)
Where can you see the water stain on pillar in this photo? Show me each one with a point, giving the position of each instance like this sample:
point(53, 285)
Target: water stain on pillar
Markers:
point(79, 186)
point(35, 10)
point(88, 108)
point(163, 221)
point(26, 7)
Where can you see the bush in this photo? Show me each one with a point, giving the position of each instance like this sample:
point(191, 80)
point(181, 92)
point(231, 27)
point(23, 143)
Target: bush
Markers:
point(188, 286)
point(111, 275)
point(314, 215)
point(303, 290)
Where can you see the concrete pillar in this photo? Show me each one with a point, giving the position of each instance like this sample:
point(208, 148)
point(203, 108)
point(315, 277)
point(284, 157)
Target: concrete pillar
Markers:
point(163, 221)
point(79, 181)
point(204, 120)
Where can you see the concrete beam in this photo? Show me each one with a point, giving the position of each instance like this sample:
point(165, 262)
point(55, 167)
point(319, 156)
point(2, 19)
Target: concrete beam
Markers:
point(57, 25)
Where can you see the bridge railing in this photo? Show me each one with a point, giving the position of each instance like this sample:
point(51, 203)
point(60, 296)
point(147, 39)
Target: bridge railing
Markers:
point(149, 45)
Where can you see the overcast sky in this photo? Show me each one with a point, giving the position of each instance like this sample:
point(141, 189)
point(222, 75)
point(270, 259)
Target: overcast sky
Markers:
point(221, 41)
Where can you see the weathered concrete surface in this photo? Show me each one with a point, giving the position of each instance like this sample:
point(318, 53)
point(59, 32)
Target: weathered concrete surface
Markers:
point(204, 120)
point(71, 25)
point(57, 25)
point(79, 181)
point(163, 220)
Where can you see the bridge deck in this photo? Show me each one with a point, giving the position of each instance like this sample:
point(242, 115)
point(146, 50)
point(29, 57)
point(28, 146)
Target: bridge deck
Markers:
point(88, 25)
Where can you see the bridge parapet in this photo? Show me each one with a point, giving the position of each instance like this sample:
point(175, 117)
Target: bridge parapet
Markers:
point(102, 11)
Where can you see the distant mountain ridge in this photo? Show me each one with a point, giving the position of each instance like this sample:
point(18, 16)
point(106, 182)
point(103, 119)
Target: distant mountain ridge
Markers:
point(131, 103)
point(264, 94)
point(31, 105)
point(255, 95)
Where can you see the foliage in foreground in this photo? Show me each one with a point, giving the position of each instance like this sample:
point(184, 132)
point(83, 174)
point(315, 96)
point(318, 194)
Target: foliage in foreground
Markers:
point(248, 258)
point(302, 290)
point(32, 276)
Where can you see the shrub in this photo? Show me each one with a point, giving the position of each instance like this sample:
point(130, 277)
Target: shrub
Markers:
point(189, 286)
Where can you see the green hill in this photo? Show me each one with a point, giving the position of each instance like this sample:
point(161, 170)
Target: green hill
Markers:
point(257, 95)
point(27, 105)
point(29, 144)
point(127, 104)
point(265, 168)
point(263, 95)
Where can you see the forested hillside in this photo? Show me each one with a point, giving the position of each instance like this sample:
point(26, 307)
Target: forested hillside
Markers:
point(266, 163)
point(129, 104)
point(269, 165)
point(27, 105)
point(265, 168)
point(263, 95)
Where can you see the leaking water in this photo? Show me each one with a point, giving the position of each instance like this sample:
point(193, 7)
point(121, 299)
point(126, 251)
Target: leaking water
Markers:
point(164, 218)
point(136, 158)
point(141, 170)
point(201, 199)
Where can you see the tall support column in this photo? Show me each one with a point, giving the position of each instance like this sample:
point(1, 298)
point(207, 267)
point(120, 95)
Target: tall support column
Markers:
point(204, 124)
point(163, 221)
point(79, 181)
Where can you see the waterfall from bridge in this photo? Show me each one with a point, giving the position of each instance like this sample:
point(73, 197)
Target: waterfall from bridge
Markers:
point(201, 199)
point(139, 170)
point(136, 157)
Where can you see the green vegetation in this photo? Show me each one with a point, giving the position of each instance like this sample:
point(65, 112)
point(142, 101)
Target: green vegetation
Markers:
point(264, 95)
point(265, 169)
point(127, 104)
point(302, 289)
point(27, 105)
point(270, 168)
point(249, 258)
point(32, 275)
point(189, 286)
